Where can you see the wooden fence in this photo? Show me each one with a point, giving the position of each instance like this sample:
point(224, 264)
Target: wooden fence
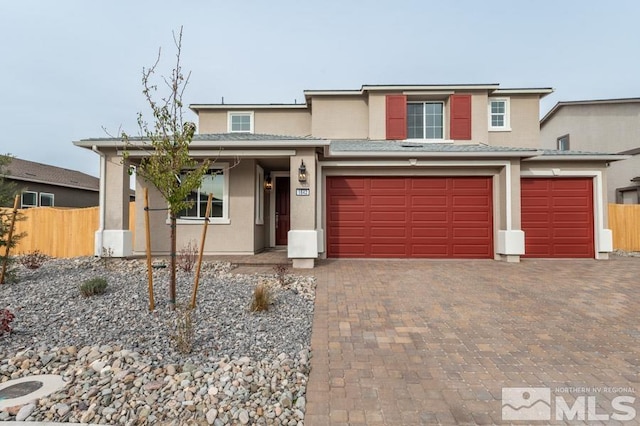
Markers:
point(61, 232)
point(70, 232)
point(624, 222)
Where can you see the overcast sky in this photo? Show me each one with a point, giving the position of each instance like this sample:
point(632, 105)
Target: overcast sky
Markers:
point(70, 68)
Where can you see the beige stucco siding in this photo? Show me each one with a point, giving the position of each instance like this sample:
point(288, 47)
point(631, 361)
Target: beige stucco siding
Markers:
point(609, 128)
point(479, 120)
point(524, 119)
point(234, 237)
point(340, 117)
point(290, 122)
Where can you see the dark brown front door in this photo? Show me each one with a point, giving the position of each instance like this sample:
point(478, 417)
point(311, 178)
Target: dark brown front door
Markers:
point(282, 210)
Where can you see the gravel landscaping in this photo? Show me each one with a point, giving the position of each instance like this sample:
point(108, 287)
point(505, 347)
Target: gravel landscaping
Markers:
point(121, 362)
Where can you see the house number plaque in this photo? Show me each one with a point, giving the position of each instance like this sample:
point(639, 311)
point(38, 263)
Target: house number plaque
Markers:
point(303, 192)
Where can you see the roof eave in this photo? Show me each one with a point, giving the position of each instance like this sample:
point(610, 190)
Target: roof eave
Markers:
point(434, 154)
point(198, 107)
point(580, 157)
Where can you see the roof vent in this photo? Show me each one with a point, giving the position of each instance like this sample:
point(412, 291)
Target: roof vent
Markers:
point(412, 145)
point(29, 174)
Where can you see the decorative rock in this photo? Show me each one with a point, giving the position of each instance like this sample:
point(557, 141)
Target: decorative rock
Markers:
point(211, 415)
point(25, 412)
point(243, 416)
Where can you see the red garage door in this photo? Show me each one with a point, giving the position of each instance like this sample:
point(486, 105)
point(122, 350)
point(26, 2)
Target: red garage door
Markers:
point(393, 217)
point(557, 217)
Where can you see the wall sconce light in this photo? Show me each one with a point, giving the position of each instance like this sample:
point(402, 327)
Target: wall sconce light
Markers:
point(268, 184)
point(302, 172)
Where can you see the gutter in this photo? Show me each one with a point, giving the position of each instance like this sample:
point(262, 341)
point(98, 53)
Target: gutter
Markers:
point(102, 196)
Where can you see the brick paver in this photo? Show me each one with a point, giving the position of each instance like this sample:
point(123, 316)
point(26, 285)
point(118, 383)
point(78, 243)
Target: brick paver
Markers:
point(404, 342)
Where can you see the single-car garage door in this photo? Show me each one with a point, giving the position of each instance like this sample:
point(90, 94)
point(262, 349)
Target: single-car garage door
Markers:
point(394, 217)
point(557, 217)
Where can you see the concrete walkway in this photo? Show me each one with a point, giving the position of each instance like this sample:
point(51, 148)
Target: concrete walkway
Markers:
point(434, 342)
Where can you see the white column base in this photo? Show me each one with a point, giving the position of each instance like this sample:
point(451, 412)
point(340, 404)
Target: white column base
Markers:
point(303, 263)
point(511, 243)
point(113, 243)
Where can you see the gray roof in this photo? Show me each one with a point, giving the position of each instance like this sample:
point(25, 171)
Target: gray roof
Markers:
point(559, 105)
point(573, 153)
point(219, 137)
point(30, 171)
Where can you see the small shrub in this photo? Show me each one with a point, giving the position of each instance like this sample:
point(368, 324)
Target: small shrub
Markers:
point(34, 259)
point(184, 331)
point(281, 270)
point(187, 257)
point(93, 286)
point(261, 298)
point(6, 318)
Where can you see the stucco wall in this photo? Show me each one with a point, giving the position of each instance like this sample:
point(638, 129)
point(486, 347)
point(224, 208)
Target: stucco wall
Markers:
point(234, 237)
point(291, 122)
point(524, 113)
point(340, 117)
point(610, 128)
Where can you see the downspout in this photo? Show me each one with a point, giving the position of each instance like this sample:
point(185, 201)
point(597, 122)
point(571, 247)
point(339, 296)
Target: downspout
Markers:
point(102, 196)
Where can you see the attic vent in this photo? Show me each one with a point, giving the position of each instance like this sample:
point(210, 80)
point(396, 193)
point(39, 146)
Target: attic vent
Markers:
point(29, 174)
point(412, 145)
point(74, 181)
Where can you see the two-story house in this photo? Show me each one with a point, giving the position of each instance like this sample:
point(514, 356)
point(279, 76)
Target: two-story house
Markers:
point(394, 171)
point(603, 125)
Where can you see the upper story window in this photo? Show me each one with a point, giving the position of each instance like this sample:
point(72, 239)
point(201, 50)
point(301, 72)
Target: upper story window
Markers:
point(214, 182)
point(563, 143)
point(240, 122)
point(425, 120)
point(28, 199)
point(499, 114)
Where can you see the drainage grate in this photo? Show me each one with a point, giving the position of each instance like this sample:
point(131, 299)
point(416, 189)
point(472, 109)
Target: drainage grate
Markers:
point(20, 389)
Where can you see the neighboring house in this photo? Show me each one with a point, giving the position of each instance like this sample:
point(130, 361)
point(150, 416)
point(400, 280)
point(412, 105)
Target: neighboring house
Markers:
point(433, 171)
point(608, 125)
point(42, 185)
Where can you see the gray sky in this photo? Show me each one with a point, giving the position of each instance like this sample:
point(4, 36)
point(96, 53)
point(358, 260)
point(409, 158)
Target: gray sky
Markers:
point(69, 68)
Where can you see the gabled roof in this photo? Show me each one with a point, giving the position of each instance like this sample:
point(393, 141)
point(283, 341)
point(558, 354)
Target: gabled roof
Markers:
point(30, 171)
point(560, 105)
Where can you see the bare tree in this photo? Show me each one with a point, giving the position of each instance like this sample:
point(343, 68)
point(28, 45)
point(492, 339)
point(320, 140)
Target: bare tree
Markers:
point(168, 165)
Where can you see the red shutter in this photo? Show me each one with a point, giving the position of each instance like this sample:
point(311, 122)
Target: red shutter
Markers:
point(460, 117)
point(396, 117)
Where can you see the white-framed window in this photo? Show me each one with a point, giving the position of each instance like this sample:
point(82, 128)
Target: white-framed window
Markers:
point(563, 143)
point(259, 196)
point(215, 182)
point(46, 199)
point(28, 199)
point(425, 120)
point(499, 119)
point(240, 122)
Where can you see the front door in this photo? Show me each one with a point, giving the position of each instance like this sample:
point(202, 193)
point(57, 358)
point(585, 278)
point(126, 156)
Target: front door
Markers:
point(282, 210)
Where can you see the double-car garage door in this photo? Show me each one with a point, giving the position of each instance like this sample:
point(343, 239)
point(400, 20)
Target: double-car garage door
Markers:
point(452, 217)
point(392, 217)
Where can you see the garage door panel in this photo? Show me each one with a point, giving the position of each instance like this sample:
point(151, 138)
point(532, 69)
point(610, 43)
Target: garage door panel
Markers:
point(557, 217)
point(469, 200)
point(388, 201)
point(429, 233)
point(418, 217)
point(440, 217)
point(436, 184)
point(346, 216)
point(423, 200)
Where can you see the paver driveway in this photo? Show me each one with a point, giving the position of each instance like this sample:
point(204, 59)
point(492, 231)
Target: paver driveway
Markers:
point(434, 342)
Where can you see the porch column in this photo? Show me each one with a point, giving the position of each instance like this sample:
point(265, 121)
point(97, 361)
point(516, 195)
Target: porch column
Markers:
point(510, 235)
point(114, 238)
point(302, 237)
